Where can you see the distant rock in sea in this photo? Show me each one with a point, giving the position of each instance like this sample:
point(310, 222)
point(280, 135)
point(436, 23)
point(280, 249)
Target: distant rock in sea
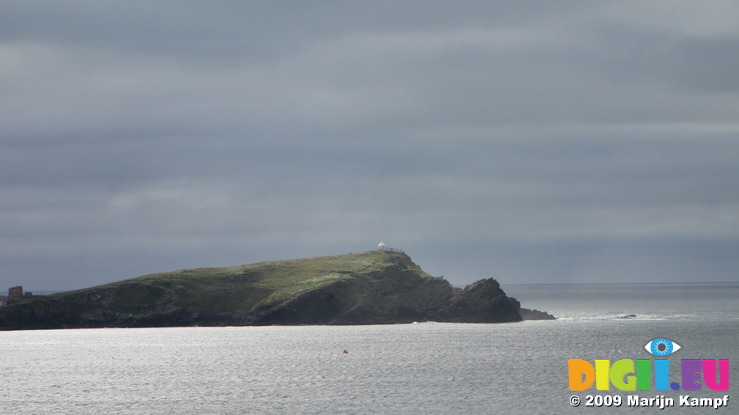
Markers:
point(529, 314)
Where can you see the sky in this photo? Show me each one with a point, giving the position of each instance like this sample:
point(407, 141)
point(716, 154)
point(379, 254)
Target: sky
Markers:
point(529, 141)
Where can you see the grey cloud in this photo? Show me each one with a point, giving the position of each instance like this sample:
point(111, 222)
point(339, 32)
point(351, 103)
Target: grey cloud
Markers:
point(529, 141)
point(710, 64)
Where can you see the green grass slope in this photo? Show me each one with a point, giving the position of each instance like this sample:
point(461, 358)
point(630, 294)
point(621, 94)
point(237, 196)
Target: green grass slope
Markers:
point(246, 287)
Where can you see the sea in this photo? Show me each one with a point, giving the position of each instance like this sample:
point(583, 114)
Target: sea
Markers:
point(420, 368)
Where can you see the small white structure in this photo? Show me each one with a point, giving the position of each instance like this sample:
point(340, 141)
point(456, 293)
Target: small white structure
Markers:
point(381, 246)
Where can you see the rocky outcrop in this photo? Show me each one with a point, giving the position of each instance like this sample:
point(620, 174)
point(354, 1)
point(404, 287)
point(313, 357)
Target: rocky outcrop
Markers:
point(483, 302)
point(534, 314)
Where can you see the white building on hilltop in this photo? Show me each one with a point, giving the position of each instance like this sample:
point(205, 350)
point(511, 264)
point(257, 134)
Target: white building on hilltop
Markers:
point(381, 246)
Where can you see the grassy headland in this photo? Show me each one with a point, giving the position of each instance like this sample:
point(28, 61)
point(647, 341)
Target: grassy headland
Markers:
point(363, 288)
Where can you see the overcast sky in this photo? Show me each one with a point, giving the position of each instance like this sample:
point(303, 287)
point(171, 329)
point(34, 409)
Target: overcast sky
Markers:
point(545, 141)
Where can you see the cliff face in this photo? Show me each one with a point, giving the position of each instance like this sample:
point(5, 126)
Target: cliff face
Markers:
point(365, 288)
point(484, 302)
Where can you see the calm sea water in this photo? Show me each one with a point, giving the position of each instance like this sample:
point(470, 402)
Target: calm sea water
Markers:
point(425, 368)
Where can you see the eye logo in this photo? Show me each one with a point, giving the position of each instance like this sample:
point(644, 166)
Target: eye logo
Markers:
point(662, 347)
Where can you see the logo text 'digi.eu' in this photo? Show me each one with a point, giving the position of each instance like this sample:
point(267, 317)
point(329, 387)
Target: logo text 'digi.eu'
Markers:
point(633, 375)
